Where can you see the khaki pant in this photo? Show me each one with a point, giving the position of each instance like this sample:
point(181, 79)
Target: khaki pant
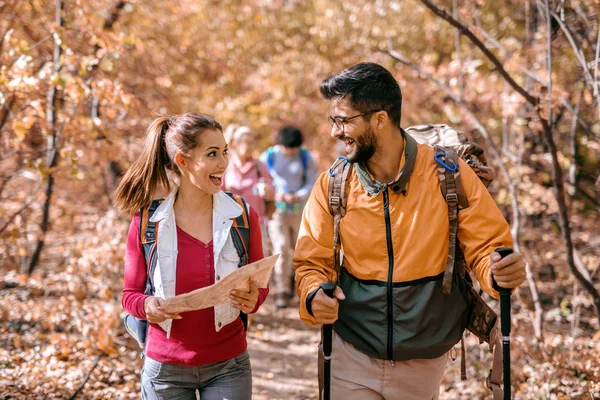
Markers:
point(283, 231)
point(354, 375)
point(266, 239)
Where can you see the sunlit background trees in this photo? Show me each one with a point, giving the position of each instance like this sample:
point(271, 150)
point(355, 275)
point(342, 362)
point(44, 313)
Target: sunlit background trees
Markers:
point(80, 80)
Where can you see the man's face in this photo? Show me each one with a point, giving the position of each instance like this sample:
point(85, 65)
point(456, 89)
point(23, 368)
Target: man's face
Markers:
point(357, 134)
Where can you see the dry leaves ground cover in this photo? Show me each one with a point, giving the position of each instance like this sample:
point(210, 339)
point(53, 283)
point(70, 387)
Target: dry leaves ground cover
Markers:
point(61, 337)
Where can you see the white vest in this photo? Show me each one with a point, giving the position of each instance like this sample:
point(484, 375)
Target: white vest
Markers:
point(226, 259)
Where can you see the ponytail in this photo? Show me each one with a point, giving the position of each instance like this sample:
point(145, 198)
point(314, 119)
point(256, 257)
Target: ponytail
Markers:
point(148, 172)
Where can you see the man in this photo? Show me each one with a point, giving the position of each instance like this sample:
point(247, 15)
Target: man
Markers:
point(293, 171)
point(394, 326)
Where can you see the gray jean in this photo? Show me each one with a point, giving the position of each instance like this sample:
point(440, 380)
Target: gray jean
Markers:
point(226, 380)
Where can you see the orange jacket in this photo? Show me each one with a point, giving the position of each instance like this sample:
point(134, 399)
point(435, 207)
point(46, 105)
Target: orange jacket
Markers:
point(419, 231)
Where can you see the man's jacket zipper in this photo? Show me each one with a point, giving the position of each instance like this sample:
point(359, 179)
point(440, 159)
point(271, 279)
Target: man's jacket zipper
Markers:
point(390, 294)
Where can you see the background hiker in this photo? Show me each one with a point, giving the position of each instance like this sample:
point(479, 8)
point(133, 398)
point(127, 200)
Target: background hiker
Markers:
point(249, 177)
point(202, 350)
point(293, 171)
point(393, 324)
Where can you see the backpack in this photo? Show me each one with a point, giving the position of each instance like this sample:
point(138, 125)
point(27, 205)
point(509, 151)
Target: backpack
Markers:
point(303, 158)
point(240, 235)
point(449, 145)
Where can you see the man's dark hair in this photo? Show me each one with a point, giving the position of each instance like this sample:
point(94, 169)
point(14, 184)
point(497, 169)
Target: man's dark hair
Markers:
point(289, 136)
point(368, 87)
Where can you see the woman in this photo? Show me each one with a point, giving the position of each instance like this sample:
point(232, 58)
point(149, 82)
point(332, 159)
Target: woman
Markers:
point(203, 350)
point(248, 176)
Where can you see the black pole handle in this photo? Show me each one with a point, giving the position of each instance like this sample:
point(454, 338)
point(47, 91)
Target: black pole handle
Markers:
point(504, 296)
point(503, 251)
point(505, 325)
point(328, 288)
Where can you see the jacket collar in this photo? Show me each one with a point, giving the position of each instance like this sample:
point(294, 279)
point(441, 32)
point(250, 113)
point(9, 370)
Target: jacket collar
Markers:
point(374, 187)
point(226, 206)
point(222, 204)
point(165, 209)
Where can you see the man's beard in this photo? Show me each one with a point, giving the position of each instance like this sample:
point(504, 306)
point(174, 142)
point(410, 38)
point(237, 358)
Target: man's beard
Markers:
point(365, 146)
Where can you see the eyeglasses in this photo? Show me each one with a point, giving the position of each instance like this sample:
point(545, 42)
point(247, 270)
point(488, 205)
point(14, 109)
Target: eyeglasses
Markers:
point(340, 121)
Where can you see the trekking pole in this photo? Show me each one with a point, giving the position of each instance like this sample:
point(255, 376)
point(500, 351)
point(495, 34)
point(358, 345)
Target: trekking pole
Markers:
point(505, 326)
point(327, 334)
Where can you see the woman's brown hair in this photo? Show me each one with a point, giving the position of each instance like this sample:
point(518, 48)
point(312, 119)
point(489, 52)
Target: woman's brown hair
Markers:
point(165, 137)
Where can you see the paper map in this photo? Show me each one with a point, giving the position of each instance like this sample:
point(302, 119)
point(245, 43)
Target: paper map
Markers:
point(218, 293)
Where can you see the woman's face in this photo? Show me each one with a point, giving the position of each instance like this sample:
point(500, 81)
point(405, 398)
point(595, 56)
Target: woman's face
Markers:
point(205, 168)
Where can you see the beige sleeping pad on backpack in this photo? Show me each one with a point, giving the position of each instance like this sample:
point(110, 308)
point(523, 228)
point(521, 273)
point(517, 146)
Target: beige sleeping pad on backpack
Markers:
point(446, 136)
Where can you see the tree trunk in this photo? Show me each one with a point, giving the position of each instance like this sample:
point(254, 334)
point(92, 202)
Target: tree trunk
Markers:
point(52, 151)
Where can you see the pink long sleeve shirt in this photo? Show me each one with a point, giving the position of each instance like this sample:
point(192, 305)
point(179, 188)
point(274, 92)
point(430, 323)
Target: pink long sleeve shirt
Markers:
point(194, 340)
point(241, 181)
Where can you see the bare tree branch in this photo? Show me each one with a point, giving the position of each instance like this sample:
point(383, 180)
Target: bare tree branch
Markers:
point(538, 320)
point(108, 24)
point(469, 34)
point(508, 53)
point(461, 85)
point(586, 127)
point(5, 179)
point(587, 196)
point(114, 15)
point(86, 378)
point(11, 18)
point(580, 57)
point(479, 44)
point(549, 60)
point(596, 66)
point(7, 107)
point(573, 144)
point(21, 152)
point(529, 73)
point(557, 176)
point(6, 33)
point(20, 210)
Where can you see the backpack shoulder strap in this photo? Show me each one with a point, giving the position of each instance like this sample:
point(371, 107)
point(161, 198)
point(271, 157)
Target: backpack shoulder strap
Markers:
point(149, 239)
point(270, 157)
point(240, 235)
point(257, 168)
point(240, 231)
point(147, 228)
point(452, 190)
point(304, 159)
point(494, 379)
point(338, 199)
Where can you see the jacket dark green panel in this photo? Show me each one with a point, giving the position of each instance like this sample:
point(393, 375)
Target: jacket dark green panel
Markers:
point(362, 317)
point(427, 323)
